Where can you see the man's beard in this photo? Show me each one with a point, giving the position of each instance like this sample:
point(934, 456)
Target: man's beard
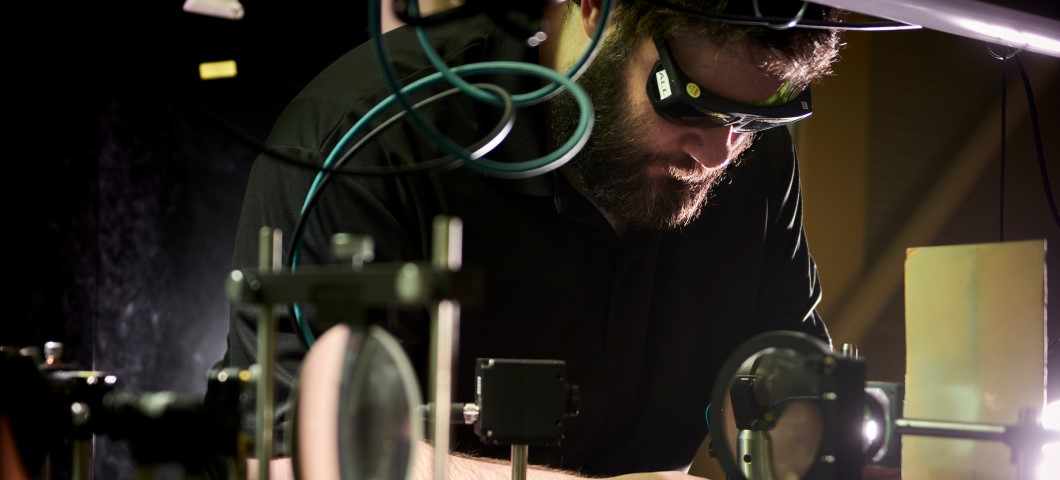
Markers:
point(633, 185)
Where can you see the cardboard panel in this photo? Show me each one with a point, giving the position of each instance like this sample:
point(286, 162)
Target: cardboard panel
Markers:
point(975, 337)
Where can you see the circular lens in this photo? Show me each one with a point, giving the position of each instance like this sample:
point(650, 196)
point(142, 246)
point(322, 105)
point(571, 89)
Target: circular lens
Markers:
point(355, 408)
point(378, 425)
point(874, 428)
point(772, 419)
point(776, 417)
point(315, 451)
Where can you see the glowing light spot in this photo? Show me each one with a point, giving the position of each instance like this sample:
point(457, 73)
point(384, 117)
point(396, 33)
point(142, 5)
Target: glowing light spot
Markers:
point(215, 70)
point(870, 430)
point(1050, 451)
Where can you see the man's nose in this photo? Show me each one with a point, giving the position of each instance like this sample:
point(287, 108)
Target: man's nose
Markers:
point(711, 147)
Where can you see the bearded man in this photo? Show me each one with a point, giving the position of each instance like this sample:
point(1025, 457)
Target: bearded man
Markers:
point(674, 235)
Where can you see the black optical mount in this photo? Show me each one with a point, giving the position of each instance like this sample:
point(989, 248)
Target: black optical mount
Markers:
point(519, 403)
point(58, 409)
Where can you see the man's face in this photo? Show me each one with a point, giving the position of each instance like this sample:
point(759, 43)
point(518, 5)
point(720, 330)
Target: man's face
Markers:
point(640, 169)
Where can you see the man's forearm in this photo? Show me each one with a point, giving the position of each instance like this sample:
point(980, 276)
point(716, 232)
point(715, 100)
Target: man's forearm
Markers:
point(461, 467)
point(464, 467)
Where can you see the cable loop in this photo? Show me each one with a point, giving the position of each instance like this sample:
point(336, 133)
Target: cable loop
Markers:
point(1006, 53)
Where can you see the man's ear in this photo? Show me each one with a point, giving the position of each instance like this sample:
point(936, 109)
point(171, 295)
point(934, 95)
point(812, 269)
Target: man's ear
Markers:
point(591, 14)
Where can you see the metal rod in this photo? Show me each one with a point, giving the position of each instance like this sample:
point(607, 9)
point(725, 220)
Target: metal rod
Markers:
point(270, 244)
point(936, 428)
point(144, 472)
point(754, 454)
point(441, 368)
point(519, 454)
point(448, 239)
point(448, 243)
point(82, 461)
point(1028, 459)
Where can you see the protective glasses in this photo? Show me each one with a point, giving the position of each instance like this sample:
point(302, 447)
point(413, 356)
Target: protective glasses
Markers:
point(680, 100)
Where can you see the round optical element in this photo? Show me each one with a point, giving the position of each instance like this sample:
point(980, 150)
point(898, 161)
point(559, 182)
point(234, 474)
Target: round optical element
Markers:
point(871, 430)
point(378, 424)
point(785, 399)
point(773, 416)
point(355, 408)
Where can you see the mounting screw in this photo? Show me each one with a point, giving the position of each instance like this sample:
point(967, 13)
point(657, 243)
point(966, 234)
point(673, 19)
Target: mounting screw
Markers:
point(356, 249)
point(53, 353)
point(79, 413)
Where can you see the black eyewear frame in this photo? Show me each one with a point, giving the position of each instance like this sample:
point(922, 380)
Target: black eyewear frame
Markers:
point(680, 100)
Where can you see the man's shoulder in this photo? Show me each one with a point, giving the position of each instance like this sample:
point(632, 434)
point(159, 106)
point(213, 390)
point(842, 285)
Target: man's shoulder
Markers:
point(360, 71)
point(354, 83)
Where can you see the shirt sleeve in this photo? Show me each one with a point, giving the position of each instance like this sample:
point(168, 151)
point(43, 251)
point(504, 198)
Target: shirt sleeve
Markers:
point(275, 194)
point(269, 202)
point(790, 290)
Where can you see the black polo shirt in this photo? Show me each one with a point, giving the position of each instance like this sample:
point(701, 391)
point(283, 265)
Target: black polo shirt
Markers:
point(643, 320)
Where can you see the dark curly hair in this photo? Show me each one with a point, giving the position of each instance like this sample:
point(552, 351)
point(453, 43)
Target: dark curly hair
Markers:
point(799, 54)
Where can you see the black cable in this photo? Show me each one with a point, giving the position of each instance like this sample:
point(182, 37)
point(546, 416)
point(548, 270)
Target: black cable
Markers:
point(1004, 89)
point(1038, 141)
point(443, 163)
point(1041, 158)
point(1004, 55)
point(770, 21)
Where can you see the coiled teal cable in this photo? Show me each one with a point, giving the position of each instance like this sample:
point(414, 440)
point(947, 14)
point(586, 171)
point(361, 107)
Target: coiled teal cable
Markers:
point(488, 167)
point(474, 159)
point(500, 131)
point(522, 99)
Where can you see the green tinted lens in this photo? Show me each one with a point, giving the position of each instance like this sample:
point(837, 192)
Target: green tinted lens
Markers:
point(696, 116)
point(759, 124)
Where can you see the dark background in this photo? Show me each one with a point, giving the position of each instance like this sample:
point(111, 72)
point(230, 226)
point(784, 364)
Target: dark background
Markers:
point(125, 195)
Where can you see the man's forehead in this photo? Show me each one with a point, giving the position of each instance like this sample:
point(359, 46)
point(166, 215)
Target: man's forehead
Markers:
point(695, 53)
point(694, 45)
point(734, 70)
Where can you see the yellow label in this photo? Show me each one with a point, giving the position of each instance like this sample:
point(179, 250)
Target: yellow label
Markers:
point(692, 90)
point(215, 70)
